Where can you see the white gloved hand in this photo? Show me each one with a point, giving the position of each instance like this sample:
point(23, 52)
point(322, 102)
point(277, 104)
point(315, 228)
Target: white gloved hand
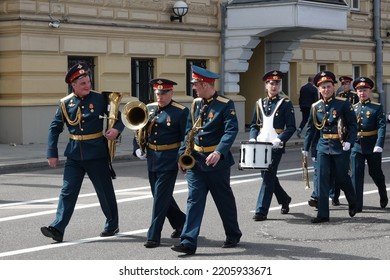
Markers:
point(377, 149)
point(314, 159)
point(276, 143)
point(140, 155)
point(305, 153)
point(346, 146)
point(252, 140)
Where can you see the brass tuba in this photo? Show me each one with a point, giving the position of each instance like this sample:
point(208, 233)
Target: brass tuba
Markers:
point(135, 117)
point(114, 99)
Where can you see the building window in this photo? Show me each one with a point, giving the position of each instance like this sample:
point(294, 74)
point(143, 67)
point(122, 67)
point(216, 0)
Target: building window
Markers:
point(141, 74)
point(354, 5)
point(357, 71)
point(190, 62)
point(322, 67)
point(89, 60)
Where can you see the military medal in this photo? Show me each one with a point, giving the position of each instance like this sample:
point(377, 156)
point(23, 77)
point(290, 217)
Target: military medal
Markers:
point(320, 109)
point(334, 113)
point(91, 108)
point(168, 121)
point(211, 115)
point(368, 114)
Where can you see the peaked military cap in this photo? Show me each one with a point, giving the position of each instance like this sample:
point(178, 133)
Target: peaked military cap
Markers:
point(76, 71)
point(273, 75)
point(363, 82)
point(200, 74)
point(162, 85)
point(324, 76)
point(345, 79)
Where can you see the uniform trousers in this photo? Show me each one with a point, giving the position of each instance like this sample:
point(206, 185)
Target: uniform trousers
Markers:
point(270, 186)
point(334, 191)
point(199, 184)
point(99, 173)
point(164, 205)
point(339, 164)
point(374, 162)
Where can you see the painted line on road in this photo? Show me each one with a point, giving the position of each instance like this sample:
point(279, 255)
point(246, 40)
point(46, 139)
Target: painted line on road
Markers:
point(69, 243)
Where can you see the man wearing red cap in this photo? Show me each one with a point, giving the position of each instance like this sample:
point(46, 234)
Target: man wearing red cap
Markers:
point(332, 151)
point(273, 121)
point(165, 131)
point(216, 127)
point(86, 152)
point(369, 143)
point(346, 90)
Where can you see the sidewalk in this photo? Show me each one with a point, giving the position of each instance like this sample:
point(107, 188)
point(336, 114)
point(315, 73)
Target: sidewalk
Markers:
point(17, 158)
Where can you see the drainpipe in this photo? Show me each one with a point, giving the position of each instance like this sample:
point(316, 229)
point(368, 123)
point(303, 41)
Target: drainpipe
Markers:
point(223, 36)
point(379, 52)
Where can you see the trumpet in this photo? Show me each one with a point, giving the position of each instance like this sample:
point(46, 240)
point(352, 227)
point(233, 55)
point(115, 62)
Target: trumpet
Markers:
point(305, 171)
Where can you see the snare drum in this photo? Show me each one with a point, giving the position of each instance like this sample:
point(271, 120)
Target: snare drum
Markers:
point(255, 155)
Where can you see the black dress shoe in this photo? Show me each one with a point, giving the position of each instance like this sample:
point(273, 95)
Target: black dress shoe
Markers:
point(313, 203)
point(352, 212)
point(176, 233)
point(335, 202)
point(183, 249)
point(230, 243)
point(151, 244)
point(384, 202)
point(52, 233)
point(107, 233)
point(286, 207)
point(318, 220)
point(259, 217)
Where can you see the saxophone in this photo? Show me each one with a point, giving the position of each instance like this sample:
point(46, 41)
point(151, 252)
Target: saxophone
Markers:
point(114, 99)
point(186, 160)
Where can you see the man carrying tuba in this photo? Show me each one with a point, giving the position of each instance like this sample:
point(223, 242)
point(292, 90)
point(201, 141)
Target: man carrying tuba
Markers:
point(86, 151)
point(163, 134)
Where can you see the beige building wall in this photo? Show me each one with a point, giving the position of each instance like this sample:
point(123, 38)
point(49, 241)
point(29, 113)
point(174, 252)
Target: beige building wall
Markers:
point(33, 56)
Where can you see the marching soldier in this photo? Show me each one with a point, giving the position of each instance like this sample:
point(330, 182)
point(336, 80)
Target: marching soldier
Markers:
point(370, 141)
point(332, 152)
point(86, 152)
point(346, 91)
point(164, 132)
point(273, 121)
point(217, 130)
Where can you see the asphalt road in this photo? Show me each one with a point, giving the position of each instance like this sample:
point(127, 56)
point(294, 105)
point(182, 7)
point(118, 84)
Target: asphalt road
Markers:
point(28, 201)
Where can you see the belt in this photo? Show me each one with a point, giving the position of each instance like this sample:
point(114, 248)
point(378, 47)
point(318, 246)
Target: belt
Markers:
point(85, 136)
point(164, 147)
point(367, 133)
point(204, 149)
point(277, 130)
point(330, 136)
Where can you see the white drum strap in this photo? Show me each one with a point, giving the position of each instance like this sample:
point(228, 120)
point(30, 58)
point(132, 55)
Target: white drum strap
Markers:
point(268, 132)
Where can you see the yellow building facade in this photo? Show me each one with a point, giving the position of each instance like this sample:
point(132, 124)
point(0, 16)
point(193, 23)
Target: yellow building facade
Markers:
point(40, 38)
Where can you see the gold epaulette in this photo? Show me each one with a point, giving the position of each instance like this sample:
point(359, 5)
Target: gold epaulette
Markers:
point(317, 102)
point(151, 104)
point(375, 103)
point(223, 99)
point(341, 98)
point(177, 105)
point(97, 91)
point(67, 97)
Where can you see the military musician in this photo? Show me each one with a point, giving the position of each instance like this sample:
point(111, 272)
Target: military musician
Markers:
point(273, 121)
point(165, 131)
point(332, 151)
point(210, 172)
point(369, 142)
point(86, 152)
